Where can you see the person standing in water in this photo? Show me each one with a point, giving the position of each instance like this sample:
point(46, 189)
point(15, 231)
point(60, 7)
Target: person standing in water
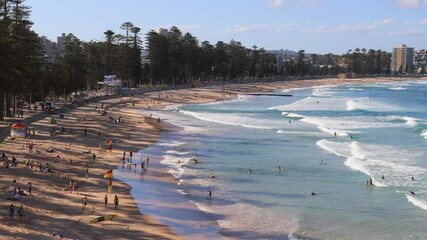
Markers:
point(209, 195)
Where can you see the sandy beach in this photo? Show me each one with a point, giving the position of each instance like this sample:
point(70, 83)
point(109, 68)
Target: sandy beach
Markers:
point(52, 210)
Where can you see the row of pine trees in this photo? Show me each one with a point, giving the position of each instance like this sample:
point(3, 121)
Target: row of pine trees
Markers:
point(172, 58)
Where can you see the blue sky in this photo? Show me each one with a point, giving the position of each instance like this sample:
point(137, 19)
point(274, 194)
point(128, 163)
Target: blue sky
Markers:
point(317, 26)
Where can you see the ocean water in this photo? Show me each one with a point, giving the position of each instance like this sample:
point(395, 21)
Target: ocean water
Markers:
point(329, 140)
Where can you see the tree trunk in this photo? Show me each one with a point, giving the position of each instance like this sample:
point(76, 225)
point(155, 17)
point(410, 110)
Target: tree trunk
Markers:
point(2, 97)
point(8, 102)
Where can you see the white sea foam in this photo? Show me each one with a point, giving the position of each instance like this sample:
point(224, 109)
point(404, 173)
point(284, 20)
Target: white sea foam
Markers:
point(302, 133)
point(412, 122)
point(314, 104)
point(294, 115)
point(397, 88)
point(322, 91)
point(424, 134)
point(417, 202)
point(243, 120)
point(376, 161)
point(368, 104)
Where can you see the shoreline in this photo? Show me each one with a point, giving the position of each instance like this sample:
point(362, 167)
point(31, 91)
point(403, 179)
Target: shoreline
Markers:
point(280, 86)
point(58, 216)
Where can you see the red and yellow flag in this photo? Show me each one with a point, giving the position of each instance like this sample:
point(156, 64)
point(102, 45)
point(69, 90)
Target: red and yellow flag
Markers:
point(108, 174)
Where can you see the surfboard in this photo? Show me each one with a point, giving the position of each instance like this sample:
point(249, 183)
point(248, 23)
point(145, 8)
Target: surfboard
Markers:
point(103, 218)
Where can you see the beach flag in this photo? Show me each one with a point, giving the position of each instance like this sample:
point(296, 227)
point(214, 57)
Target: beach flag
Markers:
point(110, 186)
point(108, 174)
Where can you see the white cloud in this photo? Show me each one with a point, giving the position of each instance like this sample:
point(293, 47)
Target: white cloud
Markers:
point(409, 31)
point(323, 29)
point(411, 3)
point(280, 3)
point(275, 3)
point(285, 27)
point(240, 28)
point(188, 28)
point(366, 26)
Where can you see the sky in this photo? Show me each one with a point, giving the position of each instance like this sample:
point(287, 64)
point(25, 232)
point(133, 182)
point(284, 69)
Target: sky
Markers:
point(316, 26)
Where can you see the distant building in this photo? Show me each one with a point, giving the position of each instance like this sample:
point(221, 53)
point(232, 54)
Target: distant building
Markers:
point(402, 59)
point(420, 61)
point(52, 50)
point(48, 49)
point(60, 42)
point(164, 32)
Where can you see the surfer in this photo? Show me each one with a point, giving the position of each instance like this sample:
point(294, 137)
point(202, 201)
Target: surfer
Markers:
point(212, 175)
point(322, 162)
point(413, 179)
point(382, 177)
point(413, 193)
point(335, 134)
point(313, 194)
point(250, 172)
point(195, 160)
point(280, 168)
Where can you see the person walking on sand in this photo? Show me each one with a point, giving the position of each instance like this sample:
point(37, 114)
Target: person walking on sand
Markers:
point(29, 188)
point(87, 173)
point(71, 185)
point(130, 155)
point(11, 211)
point(84, 202)
point(21, 212)
point(105, 200)
point(148, 160)
point(116, 202)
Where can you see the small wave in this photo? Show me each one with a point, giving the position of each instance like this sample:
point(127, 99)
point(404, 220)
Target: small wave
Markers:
point(417, 202)
point(302, 133)
point(412, 122)
point(285, 113)
point(424, 134)
point(397, 88)
point(294, 115)
point(368, 104)
point(230, 119)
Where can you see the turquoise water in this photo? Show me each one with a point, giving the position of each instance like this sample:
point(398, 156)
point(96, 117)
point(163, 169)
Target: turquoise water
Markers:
point(357, 131)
